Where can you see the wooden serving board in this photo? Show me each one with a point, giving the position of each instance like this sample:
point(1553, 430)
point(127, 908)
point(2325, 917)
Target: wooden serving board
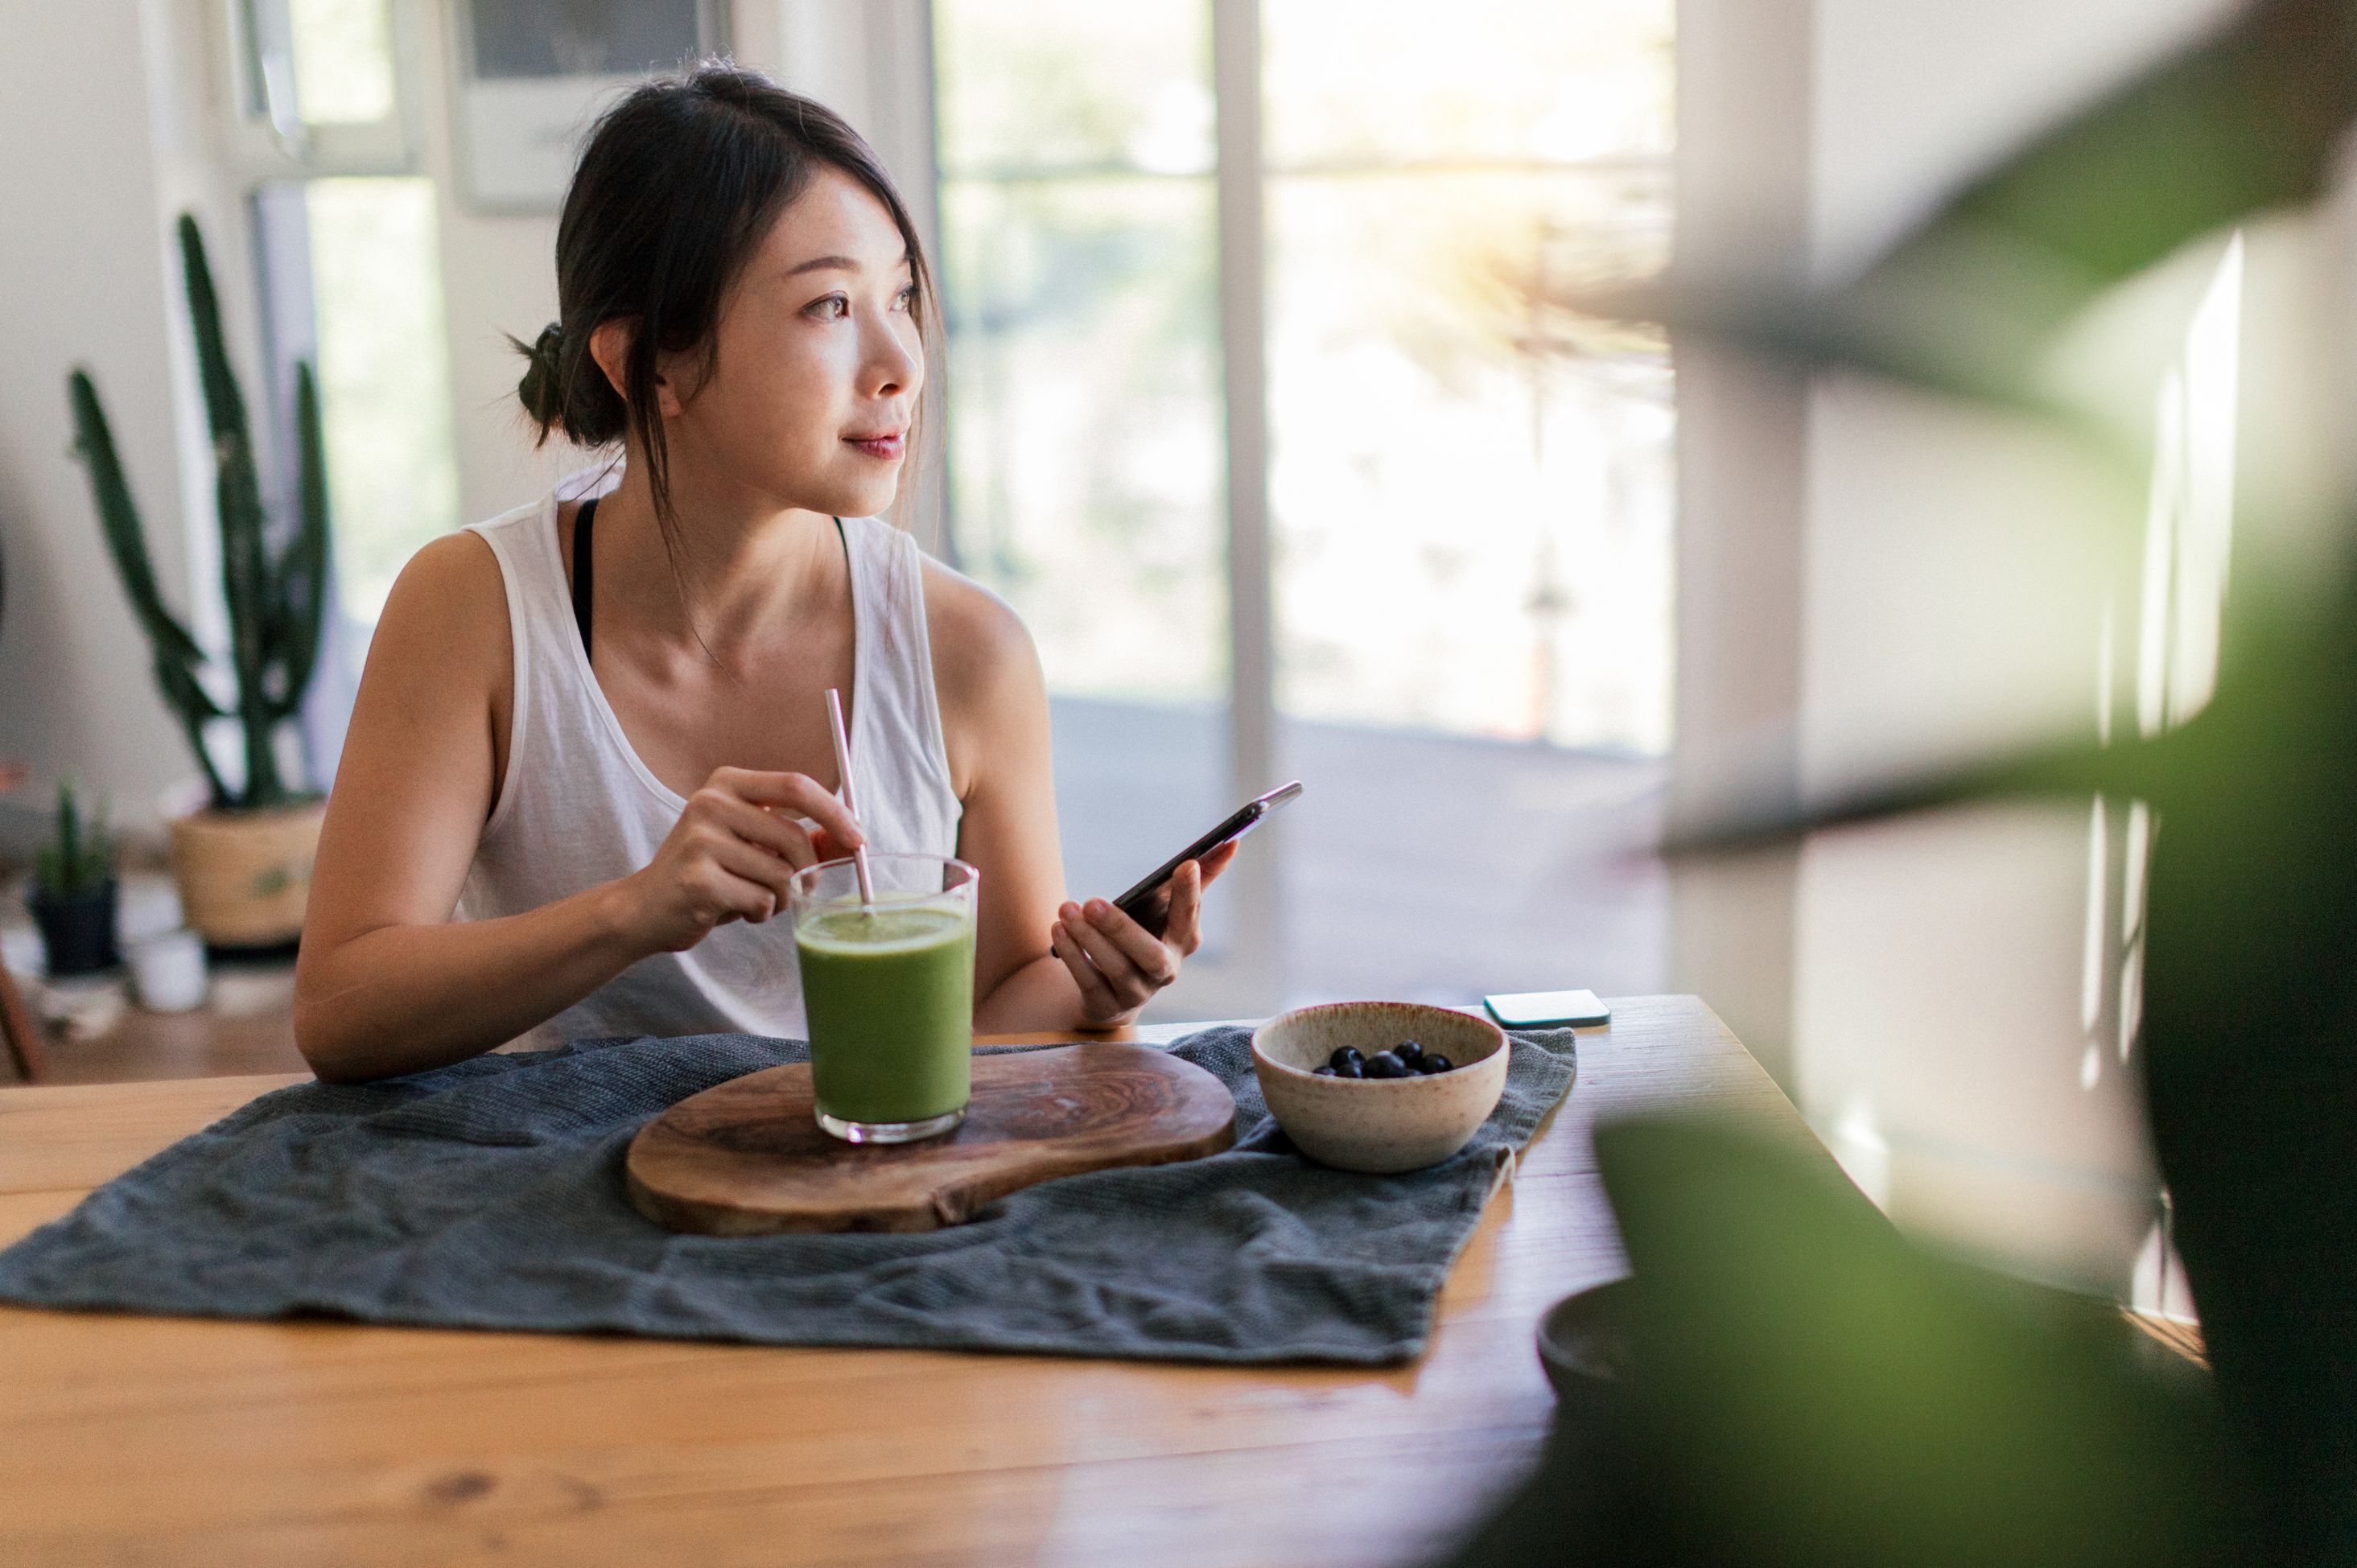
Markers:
point(748, 1158)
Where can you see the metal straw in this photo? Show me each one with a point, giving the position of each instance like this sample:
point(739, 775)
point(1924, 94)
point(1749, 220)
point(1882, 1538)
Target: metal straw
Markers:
point(843, 771)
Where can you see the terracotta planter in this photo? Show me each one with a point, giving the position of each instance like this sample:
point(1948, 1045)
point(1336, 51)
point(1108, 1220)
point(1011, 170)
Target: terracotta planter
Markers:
point(246, 876)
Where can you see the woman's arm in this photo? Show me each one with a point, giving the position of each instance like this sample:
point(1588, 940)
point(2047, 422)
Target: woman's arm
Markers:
point(387, 983)
point(1040, 961)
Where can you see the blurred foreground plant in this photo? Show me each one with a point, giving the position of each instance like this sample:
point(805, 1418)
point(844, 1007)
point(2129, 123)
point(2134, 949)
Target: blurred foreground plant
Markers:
point(1808, 1388)
point(1817, 1399)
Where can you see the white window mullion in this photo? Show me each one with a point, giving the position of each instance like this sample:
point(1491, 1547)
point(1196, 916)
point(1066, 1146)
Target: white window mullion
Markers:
point(1256, 961)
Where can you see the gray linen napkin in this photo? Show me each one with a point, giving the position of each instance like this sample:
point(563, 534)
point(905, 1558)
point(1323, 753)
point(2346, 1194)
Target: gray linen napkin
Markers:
point(489, 1194)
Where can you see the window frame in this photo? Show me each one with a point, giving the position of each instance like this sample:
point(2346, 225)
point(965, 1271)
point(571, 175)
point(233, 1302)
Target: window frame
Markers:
point(266, 141)
point(263, 152)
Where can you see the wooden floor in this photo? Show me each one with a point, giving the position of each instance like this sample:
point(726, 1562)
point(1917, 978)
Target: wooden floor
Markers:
point(247, 1026)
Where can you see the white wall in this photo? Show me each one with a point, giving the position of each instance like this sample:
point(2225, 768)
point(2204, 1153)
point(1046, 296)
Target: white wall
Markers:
point(91, 185)
point(498, 276)
point(1957, 568)
point(1743, 145)
point(1914, 96)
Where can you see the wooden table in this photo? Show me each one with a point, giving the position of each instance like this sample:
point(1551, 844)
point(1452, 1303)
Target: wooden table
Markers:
point(132, 1440)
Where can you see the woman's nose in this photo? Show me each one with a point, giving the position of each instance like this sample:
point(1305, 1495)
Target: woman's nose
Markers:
point(895, 366)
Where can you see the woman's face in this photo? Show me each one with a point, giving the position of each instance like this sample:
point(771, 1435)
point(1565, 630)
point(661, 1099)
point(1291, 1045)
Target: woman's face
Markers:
point(817, 368)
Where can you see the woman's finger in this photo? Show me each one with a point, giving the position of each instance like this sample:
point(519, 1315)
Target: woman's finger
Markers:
point(1095, 994)
point(1122, 975)
point(1141, 947)
point(731, 897)
point(782, 836)
point(749, 863)
point(1217, 861)
point(826, 846)
point(791, 792)
point(1116, 965)
point(1183, 929)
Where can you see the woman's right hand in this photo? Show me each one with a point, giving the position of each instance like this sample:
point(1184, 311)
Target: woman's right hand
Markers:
point(731, 855)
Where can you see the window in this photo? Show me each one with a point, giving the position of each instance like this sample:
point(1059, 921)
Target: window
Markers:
point(345, 235)
point(384, 378)
point(342, 55)
point(1467, 536)
point(1472, 524)
point(1081, 287)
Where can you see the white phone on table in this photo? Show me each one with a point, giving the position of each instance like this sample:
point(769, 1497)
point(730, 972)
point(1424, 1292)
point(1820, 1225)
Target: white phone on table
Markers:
point(1548, 1009)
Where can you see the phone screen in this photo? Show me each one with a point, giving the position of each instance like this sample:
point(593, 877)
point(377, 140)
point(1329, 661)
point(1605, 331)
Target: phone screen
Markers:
point(1148, 903)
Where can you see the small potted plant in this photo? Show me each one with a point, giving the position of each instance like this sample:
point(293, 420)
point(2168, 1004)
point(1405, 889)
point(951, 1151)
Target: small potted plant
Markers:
point(243, 862)
point(74, 893)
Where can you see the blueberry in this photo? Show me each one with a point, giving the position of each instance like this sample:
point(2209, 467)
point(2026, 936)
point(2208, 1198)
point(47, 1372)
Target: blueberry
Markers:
point(1349, 1067)
point(1383, 1064)
point(1408, 1051)
point(1324, 1072)
point(1432, 1064)
point(1344, 1053)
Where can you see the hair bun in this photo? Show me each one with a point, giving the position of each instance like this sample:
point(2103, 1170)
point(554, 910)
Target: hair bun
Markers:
point(542, 391)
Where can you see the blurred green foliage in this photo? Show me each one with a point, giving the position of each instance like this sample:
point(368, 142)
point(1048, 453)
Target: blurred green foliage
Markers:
point(274, 586)
point(1812, 1390)
point(80, 857)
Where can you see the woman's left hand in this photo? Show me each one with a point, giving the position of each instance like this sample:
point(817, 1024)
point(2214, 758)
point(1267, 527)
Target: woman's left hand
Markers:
point(1117, 963)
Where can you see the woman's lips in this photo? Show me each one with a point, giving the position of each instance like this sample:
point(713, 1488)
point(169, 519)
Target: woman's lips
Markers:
point(886, 445)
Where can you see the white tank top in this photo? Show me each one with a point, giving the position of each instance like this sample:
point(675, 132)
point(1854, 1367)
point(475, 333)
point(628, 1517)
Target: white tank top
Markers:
point(578, 807)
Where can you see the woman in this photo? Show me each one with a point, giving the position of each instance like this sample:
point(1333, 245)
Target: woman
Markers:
point(596, 727)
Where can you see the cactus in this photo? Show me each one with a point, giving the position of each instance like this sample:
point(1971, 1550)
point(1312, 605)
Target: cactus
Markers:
point(79, 860)
point(274, 593)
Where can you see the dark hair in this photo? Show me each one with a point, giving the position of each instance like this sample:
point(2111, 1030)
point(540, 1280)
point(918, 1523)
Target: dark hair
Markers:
point(680, 182)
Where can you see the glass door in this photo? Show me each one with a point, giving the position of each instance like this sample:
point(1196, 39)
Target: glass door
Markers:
point(1079, 287)
point(1469, 494)
point(1242, 334)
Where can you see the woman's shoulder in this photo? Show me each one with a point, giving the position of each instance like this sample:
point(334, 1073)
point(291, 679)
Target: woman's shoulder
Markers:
point(979, 642)
point(457, 570)
point(987, 674)
point(457, 582)
point(449, 607)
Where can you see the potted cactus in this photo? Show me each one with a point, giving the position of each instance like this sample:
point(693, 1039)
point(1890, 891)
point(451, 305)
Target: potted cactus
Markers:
point(73, 894)
point(242, 863)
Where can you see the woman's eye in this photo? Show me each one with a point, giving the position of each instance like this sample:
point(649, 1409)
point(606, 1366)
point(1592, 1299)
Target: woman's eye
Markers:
point(833, 308)
point(906, 299)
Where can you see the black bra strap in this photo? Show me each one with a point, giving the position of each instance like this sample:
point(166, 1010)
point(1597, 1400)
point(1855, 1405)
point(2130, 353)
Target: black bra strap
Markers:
point(582, 521)
point(581, 558)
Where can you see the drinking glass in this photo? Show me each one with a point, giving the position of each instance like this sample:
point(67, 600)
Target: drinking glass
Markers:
point(887, 987)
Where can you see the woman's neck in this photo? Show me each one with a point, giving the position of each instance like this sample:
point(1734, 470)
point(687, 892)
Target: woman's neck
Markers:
point(736, 564)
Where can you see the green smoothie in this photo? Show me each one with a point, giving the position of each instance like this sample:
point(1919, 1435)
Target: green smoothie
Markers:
point(889, 995)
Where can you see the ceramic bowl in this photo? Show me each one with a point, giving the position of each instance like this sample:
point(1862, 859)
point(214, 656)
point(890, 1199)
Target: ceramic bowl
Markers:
point(1583, 1339)
point(1379, 1125)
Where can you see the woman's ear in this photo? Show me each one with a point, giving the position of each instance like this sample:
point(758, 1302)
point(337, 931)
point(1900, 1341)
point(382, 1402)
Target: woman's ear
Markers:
point(609, 345)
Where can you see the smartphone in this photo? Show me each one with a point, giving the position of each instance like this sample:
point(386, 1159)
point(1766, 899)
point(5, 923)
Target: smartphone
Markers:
point(1548, 1009)
point(1148, 903)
